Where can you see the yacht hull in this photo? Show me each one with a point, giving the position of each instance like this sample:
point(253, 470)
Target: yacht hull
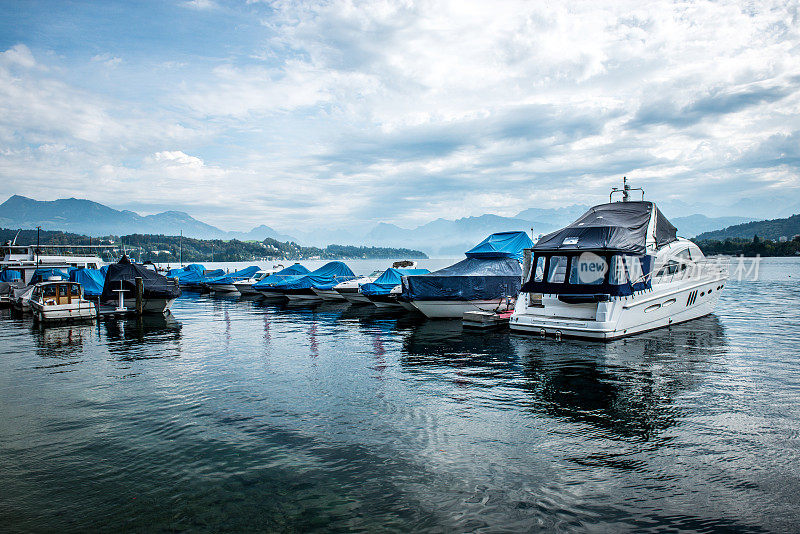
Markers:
point(624, 317)
point(354, 296)
point(454, 309)
point(245, 288)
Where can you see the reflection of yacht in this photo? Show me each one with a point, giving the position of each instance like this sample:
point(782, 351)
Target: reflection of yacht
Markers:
point(618, 270)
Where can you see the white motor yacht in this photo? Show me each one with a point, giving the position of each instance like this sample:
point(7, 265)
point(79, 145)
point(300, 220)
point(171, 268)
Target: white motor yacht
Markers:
point(618, 270)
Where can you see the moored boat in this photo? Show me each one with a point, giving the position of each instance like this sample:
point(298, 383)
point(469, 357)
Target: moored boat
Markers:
point(245, 287)
point(60, 300)
point(325, 278)
point(266, 287)
point(158, 292)
point(618, 270)
point(380, 292)
point(488, 279)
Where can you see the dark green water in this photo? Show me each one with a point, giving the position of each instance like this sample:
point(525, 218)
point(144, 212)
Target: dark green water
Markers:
point(235, 415)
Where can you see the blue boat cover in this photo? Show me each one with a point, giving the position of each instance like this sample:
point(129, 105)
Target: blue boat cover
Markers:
point(92, 280)
point(469, 279)
point(9, 275)
point(280, 276)
point(178, 272)
point(501, 245)
point(390, 278)
point(235, 276)
point(325, 277)
point(43, 275)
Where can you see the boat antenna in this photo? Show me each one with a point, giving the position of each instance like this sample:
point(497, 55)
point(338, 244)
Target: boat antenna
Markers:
point(180, 254)
point(14, 242)
point(38, 229)
point(625, 190)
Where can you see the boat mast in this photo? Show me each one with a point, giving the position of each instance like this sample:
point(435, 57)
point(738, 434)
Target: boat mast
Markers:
point(625, 190)
point(180, 254)
point(38, 229)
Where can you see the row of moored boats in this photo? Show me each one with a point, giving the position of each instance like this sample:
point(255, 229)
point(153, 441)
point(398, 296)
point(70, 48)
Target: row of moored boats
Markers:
point(618, 270)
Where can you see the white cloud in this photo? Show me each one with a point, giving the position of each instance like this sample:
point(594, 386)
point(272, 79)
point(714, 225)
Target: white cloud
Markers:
point(343, 111)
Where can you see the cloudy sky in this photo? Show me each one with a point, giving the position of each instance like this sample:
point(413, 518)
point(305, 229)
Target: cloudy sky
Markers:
point(347, 113)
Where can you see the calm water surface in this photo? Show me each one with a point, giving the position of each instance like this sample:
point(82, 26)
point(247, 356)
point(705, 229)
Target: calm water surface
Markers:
point(236, 415)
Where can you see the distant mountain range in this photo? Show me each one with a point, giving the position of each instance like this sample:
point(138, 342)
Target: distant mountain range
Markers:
point(93, 219)
point(772, 229)
point(441, 237)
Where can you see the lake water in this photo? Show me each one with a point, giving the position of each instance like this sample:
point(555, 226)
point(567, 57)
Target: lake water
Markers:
point(236, 415)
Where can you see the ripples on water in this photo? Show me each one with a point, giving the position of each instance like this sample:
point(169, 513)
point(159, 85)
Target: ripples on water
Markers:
point(238, 415)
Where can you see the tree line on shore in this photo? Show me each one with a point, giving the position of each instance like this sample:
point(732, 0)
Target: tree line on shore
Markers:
point(171, 249)
point(751, 247)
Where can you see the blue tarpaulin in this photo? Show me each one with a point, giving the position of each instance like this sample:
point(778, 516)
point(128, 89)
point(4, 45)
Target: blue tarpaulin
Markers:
point(388, 280)
point(280, 276)
point(235, 276)
point(194, 275)
point(9, 275)
point(501, 245)
point(43, 275)
point(491, 271)
point(92, 281)
point(178, 272)
point(469, 279)
point(325, 277)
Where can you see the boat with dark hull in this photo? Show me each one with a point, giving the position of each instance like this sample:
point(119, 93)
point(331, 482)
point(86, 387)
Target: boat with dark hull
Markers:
point(158, 292)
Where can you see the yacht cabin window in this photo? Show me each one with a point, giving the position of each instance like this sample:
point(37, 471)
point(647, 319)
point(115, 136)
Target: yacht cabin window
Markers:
point(557, 272)
point(538, 270)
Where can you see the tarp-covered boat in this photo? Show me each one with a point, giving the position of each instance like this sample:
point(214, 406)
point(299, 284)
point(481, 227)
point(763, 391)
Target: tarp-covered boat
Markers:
point(92, 281)
point(490, 275)
point(380, 292)
point(194, 276)
point(225, 283)
point(267, 286)
point(158, 293)
point(302, 287)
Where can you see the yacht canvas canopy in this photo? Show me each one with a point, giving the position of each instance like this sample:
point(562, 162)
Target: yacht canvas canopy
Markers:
point(123, 275)
point(325, 277)
point(92, 281)
point(501, 245)
point(469, 279)
point(389, 280)
point(633, 227)
point(280, 276)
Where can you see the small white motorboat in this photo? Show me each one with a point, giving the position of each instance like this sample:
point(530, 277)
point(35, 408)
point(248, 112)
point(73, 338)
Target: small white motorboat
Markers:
point(60, 301)
point(349, 290)
point(245, 287)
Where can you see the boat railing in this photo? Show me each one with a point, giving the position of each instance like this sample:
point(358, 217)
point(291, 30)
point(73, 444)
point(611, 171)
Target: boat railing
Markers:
point(689, 270)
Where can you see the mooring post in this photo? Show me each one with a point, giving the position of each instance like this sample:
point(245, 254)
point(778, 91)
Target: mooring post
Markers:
point(139, 292)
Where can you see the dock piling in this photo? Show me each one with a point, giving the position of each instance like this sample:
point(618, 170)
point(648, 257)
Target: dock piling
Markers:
point(139, 292)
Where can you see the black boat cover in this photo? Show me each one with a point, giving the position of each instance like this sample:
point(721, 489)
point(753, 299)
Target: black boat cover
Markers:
point(618, 226)
point(469, 279)
point(125, 273)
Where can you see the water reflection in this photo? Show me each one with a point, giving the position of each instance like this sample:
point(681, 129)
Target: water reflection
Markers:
point(145, 337)
point(61, 346)
point(627, 387)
